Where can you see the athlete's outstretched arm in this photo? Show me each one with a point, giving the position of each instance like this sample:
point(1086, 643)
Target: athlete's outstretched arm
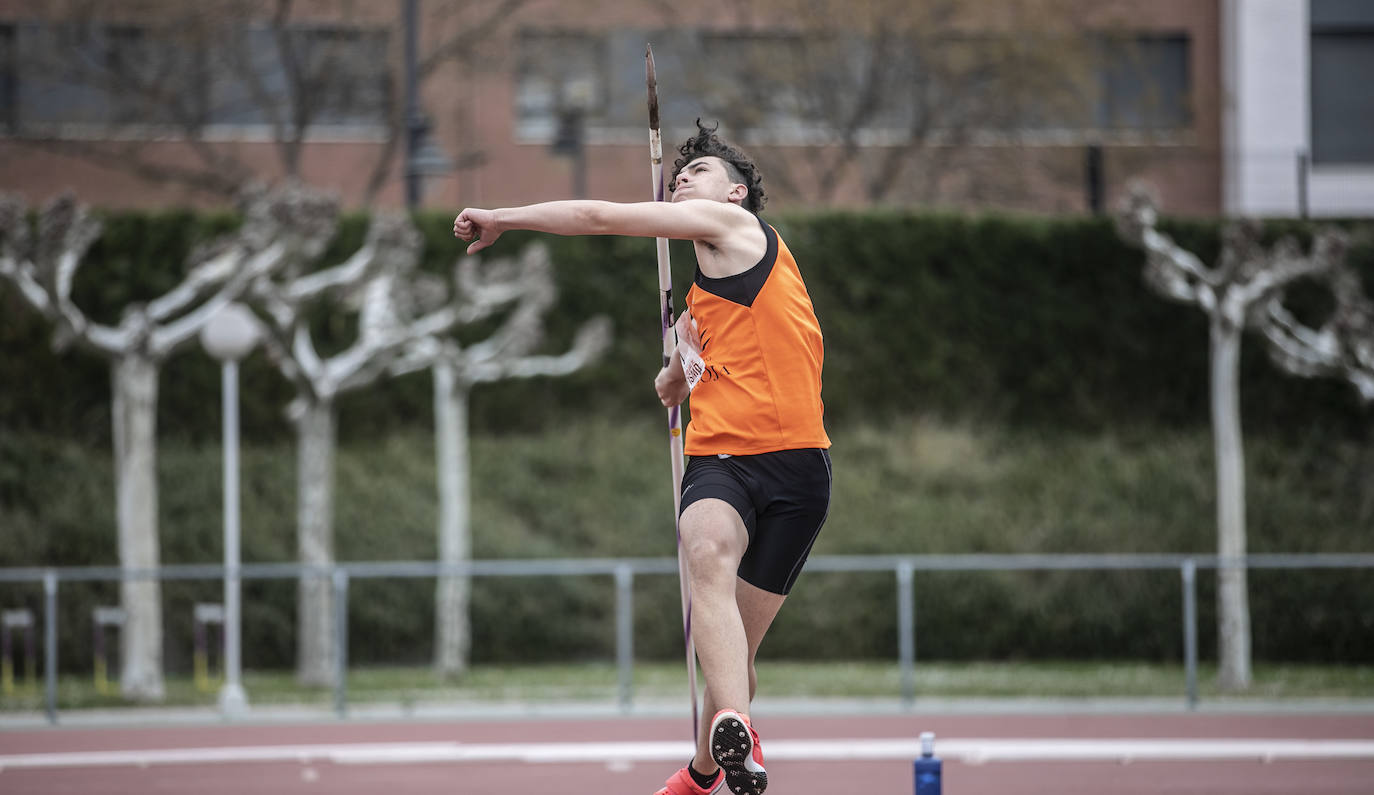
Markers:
point(693, 219)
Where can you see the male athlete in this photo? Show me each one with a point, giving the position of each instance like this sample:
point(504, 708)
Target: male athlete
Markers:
point(756, 488)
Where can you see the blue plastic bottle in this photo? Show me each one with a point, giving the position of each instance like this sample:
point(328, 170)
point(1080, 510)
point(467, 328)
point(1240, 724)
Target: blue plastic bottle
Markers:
point(927, 768)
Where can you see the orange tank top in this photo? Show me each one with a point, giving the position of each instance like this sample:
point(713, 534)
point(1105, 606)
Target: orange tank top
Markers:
point(762, 348)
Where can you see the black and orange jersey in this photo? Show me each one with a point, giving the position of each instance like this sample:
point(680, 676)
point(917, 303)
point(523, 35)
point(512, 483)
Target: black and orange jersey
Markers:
point(763, 351)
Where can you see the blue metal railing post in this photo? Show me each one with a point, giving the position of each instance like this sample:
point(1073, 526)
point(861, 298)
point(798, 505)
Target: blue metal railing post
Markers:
point(906, 629)
point(624, 635)
point(50, 644)
point(340, 578)
point(1189, 571)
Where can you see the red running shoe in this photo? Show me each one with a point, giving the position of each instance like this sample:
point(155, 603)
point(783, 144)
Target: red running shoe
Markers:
point(681, 783)
point(735, 747)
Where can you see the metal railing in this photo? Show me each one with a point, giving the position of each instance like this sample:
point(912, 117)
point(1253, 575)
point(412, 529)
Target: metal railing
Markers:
point(624, 570)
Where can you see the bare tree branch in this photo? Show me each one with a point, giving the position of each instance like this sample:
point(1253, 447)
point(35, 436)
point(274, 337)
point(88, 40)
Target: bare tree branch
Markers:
point(480, 293)
point(592, 339)
point(1343, 345)
point(1170, 270)
point(15, 256)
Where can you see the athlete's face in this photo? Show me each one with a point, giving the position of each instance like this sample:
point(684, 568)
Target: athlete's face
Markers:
point(707, 178)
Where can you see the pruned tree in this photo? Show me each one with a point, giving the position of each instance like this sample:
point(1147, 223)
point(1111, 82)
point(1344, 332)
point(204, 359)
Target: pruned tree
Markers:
point(170, 71)
point(507, 353)
point(44, 268)
point(1235, 294)
point(1343, 345)
point(375, 277)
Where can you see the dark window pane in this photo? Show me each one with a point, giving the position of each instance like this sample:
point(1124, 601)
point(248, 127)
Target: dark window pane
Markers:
point(558, 74)
point(60, 90)
point(1342, 102)
point(151, 78)
point(970, 83)
point(331, 76)
point(1343, 14)
point(248, 84)
point(817, 86)
point(675, 59)
point(755, 79)
point(103, 75)
point(343, 74)
point(1146, 84)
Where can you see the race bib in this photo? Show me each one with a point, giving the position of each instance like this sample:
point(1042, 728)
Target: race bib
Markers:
point(689, 349)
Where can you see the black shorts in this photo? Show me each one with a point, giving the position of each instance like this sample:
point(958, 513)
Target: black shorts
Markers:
point(783, 498)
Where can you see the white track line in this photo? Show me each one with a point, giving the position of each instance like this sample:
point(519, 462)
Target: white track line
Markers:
point(968, 751)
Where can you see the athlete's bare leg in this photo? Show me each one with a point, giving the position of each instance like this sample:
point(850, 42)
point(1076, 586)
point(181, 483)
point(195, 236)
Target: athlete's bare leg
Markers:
point(735, 610)
point(714, 540)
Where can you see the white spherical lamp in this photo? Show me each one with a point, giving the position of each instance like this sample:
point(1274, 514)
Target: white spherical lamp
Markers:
point(231, 333)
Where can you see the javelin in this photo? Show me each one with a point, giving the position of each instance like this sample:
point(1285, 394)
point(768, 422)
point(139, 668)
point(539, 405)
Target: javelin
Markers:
point(665, 295)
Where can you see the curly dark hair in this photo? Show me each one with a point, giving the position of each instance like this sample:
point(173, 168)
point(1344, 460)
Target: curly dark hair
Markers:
point(738, 165)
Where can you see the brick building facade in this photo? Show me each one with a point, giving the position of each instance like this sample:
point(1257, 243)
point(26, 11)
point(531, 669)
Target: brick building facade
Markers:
point(544, 100)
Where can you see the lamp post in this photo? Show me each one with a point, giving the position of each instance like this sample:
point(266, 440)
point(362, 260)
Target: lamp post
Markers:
point(229, 336)
point(424, 157)
point(570, 138)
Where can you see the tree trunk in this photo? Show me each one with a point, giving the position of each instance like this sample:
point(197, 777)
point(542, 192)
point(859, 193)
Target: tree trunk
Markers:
point(135, 448)
point(452, 631)
point(315, 539)
point(1233, 607)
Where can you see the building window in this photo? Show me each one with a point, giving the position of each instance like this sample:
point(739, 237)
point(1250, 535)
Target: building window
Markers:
point(66, 89)
point(149, 78)
point(102, 75)
point(346, 74)
point(561, 80)
point(1145, 83)
point(793, 88)
point(1342, 60)
point(957, 84)
point(759, 80)
point(326, 76)
point(120, 76)
point(564, 79)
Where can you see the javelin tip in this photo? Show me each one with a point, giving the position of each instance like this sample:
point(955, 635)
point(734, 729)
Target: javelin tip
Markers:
point(652, 82)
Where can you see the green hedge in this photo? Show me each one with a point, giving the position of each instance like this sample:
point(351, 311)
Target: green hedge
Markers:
point(1026, 320)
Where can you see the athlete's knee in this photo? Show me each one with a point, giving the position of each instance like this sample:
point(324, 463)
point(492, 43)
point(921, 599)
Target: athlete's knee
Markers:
point(710, 558)
point(712, 537)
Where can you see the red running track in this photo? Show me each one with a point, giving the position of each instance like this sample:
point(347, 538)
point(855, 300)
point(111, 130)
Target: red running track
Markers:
point(145, 762)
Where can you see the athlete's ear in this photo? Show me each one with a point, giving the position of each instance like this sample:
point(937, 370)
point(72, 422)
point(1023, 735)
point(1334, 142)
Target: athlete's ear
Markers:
point(738, 193)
